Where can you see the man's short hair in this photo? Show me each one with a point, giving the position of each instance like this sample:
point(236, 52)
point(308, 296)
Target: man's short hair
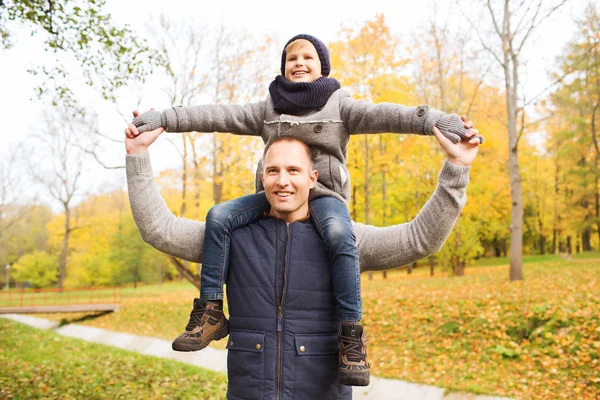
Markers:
point(309, 152)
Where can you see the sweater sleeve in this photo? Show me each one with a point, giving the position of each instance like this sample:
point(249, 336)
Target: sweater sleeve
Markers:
point(238, 119)
point(360, 116)
point(398, 245)
point(179, 237)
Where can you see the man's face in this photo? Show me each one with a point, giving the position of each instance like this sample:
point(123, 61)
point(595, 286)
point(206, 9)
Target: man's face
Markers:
point(287, 177)
point(302, 62)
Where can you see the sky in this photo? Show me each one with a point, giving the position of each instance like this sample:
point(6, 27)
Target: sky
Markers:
point(21, 114)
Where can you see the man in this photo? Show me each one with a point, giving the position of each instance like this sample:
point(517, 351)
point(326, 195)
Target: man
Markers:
point(283, 322)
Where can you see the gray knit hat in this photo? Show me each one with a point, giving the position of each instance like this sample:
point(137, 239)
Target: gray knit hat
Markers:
point(322, 51)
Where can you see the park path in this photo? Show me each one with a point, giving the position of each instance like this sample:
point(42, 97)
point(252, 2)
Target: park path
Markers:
point(216, 360)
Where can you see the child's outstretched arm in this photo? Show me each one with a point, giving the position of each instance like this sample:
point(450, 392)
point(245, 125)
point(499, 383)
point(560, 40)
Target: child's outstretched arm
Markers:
point(244, 119)
point(361, 116)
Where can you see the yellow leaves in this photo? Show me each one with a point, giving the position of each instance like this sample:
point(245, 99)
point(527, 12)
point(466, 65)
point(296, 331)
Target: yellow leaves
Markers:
point(523, 341)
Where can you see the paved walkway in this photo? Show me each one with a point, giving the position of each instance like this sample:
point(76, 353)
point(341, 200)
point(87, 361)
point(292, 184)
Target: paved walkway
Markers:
point(216, 360)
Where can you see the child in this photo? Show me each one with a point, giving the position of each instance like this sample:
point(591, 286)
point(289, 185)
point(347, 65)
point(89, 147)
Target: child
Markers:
point(304, 103)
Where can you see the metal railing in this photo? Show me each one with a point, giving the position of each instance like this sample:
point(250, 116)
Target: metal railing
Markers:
point(59, 297)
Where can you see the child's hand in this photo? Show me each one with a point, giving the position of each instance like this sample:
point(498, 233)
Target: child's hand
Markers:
point(472, 132)
point(464, 152)
point(135, 144)
point(455, 128)
point(149, 121)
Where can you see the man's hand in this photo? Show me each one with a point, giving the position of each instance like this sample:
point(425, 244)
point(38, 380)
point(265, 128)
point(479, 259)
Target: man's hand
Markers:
point(136, 143)
point(464, 152)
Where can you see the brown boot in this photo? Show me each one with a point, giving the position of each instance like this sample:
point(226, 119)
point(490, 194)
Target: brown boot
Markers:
point(207, 323)
point(354, 368)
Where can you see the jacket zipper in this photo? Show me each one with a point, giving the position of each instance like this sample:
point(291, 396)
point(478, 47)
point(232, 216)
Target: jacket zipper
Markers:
point(280, 311)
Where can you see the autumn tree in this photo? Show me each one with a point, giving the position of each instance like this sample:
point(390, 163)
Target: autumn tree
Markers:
point(512, 24)
point(57, 164)
point(109, 56)
point(577, 105)
point(367, 60)
point(12, 207)
point(203, 66)
point(448, 79)
point(28, 234)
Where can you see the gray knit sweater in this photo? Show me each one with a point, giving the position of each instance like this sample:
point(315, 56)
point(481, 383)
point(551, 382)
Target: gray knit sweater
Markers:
point(378, 248)
point(326, 130)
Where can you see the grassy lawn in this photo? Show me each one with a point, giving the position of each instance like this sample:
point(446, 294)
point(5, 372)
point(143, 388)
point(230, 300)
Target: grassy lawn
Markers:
point(534, 339)
point(26, 297)
point(39, 364)
point(537, 259)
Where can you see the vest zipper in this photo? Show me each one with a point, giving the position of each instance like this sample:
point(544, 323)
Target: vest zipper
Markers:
point(280, 311)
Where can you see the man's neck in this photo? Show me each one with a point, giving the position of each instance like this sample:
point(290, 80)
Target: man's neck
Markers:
point(289, 220)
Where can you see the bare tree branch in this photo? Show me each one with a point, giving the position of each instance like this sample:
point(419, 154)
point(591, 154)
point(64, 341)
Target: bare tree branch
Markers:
point(563, 76)
point(534, 25)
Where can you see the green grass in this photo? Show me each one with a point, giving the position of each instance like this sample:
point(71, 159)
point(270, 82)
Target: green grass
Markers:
point(490, 262)
point(42, 364)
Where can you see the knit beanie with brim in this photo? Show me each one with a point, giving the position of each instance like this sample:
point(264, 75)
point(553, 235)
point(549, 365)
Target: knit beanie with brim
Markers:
point(321, 51)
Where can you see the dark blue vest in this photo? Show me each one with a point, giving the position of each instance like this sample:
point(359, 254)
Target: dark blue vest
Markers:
point(283, 315)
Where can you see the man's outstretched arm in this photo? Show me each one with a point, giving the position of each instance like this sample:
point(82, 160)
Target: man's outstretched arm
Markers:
point(158, 226)
point(378, 248)
point(398, 245)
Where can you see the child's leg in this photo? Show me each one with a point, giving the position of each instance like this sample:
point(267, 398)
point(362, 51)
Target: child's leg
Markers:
point(221, 221)
point(207, 320)
point(332, 219)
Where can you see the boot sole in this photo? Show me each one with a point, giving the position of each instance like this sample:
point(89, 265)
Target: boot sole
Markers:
point(196, 346)
point(355, 378)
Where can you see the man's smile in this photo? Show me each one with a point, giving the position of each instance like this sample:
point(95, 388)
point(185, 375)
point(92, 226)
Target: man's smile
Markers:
point(283, 194)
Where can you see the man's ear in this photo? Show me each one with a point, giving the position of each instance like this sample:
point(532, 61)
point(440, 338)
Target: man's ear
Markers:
point(314, 175)
point(262, 178)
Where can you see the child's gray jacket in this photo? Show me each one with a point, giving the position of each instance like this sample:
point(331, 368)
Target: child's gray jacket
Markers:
point(326, 130)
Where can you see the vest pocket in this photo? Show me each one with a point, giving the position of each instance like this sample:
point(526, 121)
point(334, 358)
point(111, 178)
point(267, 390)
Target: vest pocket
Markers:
point(246, 364)
point(316, 367)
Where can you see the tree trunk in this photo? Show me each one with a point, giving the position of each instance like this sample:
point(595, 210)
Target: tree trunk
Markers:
point(217, 173)
point(194, 279)
point(62, 273)
point(516, 195)
point(431, 265)
point(460, 268)
point(354, 190)
point(597, 197)
point(366, 189)
point(184, 171)
point(586, 237)
point(383, 189)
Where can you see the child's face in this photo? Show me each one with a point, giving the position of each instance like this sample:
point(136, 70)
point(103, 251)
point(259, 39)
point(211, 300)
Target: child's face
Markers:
point(302, 62)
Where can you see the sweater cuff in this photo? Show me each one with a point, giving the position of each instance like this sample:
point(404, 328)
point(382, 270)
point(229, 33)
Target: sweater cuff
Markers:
point(431, 118)
point(454, 176)
point(138, 164)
